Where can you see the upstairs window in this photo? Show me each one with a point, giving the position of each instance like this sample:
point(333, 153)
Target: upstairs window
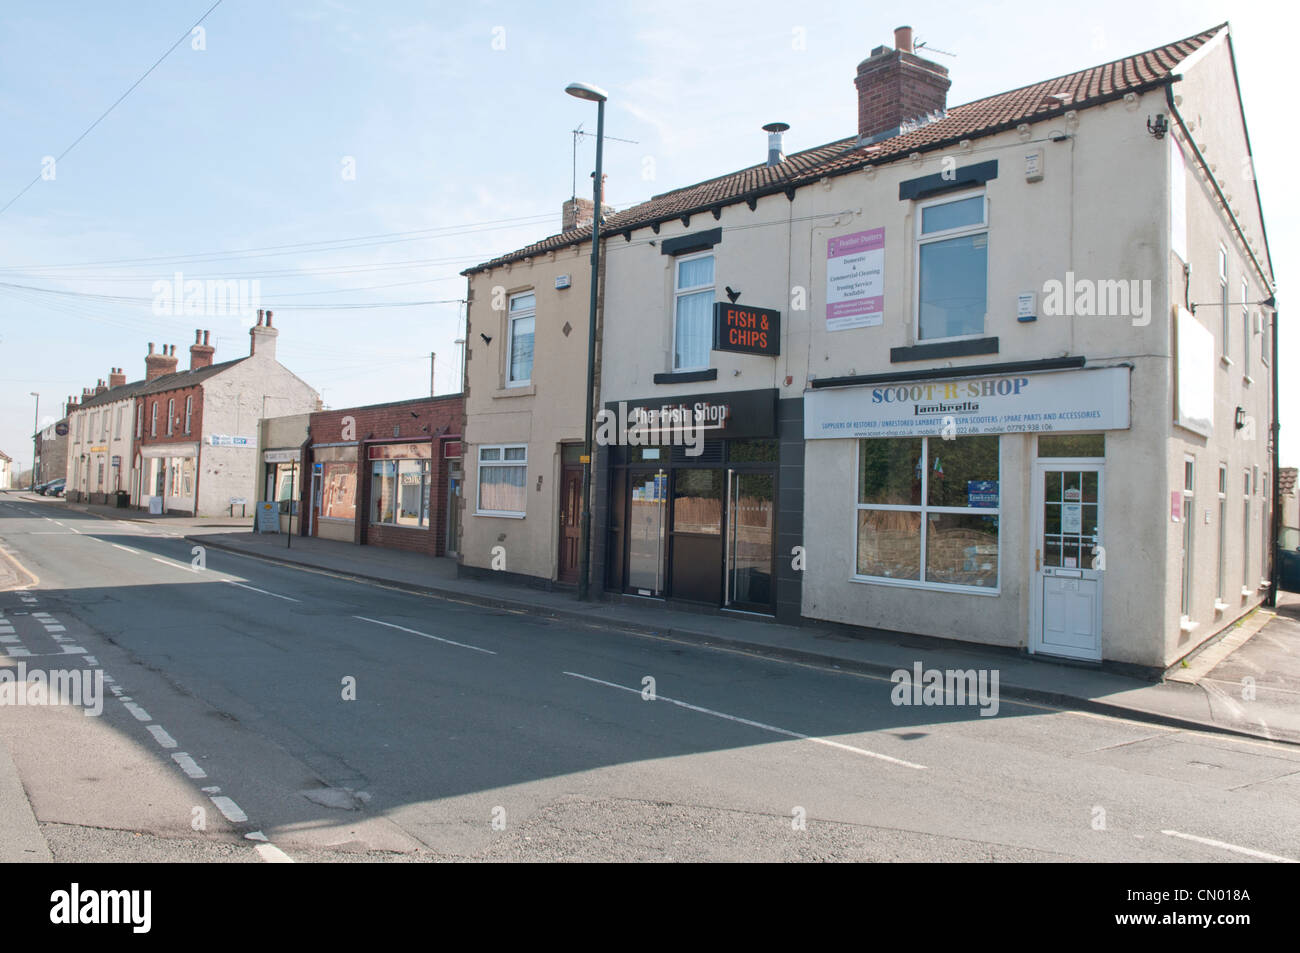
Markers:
point(153, 420)
point(189, 412)
point(952, 261)
point(1226, 318)
point(171, 415)
point(523, 321)
point(693, 294)
point(1247, 332)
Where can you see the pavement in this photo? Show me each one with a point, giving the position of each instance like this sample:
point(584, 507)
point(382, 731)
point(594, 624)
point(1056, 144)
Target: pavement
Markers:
point(1206, 692)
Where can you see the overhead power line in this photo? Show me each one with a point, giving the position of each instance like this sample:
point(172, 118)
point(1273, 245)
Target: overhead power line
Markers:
point(116, 103)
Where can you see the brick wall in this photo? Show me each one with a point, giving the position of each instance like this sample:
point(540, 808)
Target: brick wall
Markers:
point(428, 419)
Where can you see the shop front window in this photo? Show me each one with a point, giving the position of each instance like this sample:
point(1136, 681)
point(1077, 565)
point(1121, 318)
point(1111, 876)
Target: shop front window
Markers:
point(928, 511)
point(338, 491)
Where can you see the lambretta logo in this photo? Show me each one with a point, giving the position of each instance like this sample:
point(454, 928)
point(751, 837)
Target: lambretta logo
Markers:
point(933, 686)
point(99, 907)
point(78, 687)
point(1085, 298)
point(676, 425)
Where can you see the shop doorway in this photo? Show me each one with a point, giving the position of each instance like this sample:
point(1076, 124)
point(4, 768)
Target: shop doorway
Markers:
point(454, 478)
point(696, 535)
point(646, 531)
point(1066, 586)
point(751, 526)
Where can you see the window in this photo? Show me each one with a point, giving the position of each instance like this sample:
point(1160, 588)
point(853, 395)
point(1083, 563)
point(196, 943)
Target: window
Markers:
point(1223, 302)
point(338, 491)
point(117, 425)
point(952, 267)
point(1264, 355)
point(139, 420)
point(1246, 329)
point(1223, 531)
point(171, 415)
point(928, 511)
point(1265, 531)
point(502, 473)
point(107, 421)
point(99, 478)
point(153, 420)
point(523, 320)
point(93, 429)
point(189, 411)
point(399, 492)
point(693, 295)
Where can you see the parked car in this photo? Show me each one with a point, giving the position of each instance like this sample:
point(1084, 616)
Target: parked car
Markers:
point(42, 487)
point(56, 488)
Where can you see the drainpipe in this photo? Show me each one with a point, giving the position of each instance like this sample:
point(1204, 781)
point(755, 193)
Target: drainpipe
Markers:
point(1277, 496)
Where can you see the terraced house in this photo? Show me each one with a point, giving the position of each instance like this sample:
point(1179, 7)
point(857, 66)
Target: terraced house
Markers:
point(999, 372)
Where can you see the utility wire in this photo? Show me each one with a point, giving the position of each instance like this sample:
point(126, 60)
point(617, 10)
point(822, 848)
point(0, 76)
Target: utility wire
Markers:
point(116, 102)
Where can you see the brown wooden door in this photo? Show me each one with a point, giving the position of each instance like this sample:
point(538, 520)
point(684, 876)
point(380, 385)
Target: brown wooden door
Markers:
point(570, 522)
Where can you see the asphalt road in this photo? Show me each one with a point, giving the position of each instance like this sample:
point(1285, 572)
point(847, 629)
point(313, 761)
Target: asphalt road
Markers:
point(479, 734)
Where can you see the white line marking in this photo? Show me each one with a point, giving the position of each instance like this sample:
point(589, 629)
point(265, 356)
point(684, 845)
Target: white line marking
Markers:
point(40, 615)
point(164, 739)
point(757, 724)
point(126, 549)
point(273, 595)
point(189, 765)
point(256, 835)
point(90, 660)
point(140, 713)
point(272, 854)
point(230, 809)
point(1232, 847)
point(19, 653)
point(425, 635)
point(9, 640)
point(56, 628)
point(211, 790)
point(168, 562)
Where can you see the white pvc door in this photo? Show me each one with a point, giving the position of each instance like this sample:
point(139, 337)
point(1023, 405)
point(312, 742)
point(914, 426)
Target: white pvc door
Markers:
point(1069, 561)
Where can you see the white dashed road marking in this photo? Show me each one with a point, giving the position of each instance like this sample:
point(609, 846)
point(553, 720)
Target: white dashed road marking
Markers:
point(272, 854)
point(164, 739)
point(425, 635)
point(188, 765)
point(274, 595)
point(758, 724)
point(229, 809)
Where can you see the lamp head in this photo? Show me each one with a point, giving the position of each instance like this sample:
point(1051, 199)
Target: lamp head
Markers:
point(586, 91)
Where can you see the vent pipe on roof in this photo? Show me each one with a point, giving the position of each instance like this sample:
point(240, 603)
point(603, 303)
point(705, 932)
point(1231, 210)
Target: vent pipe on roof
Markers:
point(775, 146)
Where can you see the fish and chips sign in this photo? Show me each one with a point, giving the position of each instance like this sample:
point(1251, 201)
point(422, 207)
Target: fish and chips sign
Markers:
point(1052, 402)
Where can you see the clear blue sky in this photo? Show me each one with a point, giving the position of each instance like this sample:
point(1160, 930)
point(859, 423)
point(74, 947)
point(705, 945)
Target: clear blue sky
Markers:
point(455, 116)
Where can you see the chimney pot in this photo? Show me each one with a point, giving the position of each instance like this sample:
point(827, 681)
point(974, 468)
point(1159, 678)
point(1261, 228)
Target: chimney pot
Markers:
point(260, 312)
point(268, 317)
point(903, 39)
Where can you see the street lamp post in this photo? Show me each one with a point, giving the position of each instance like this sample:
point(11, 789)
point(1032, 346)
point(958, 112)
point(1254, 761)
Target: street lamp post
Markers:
point(36, 436)
point(598, 96)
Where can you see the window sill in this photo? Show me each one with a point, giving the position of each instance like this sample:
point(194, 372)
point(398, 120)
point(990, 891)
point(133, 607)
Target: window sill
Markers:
point(1219, 606)
point(950, 347)
point(1225, 360)
point(499, 515)
point(686, 377)
point(928, 586)
point(1265, 583)
point(523, 390)
point(1247, 379)
point(1247, 592)
point(1187, 626)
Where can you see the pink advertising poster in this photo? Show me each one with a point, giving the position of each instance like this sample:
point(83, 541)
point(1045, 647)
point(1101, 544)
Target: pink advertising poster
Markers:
point(855, 284)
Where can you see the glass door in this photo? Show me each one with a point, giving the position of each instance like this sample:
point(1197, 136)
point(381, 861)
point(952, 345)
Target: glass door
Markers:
point(1069, 562)
point(646, 518)
point(751, 531)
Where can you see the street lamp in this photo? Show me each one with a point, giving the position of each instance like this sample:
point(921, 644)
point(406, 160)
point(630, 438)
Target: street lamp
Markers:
point(36, 435)
point(598, 96)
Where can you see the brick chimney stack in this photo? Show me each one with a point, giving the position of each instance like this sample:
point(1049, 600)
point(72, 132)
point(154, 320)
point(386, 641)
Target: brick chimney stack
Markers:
point(201, 351)
point(897, 86)
point(263, 337)
point(577, 213)
point(159, 364)
point(100, 387)
point(116, 378)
